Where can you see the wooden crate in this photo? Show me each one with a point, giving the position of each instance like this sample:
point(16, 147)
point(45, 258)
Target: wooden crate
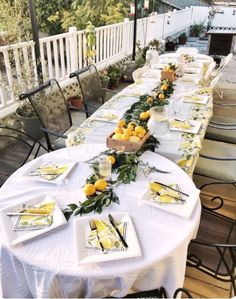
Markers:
point(168, 75)
point(128, 145)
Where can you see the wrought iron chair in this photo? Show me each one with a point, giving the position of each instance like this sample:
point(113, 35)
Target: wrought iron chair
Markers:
point(16, 149)
point(52, 110)
point(214, 249)
point(159, 293)
point(90, 85)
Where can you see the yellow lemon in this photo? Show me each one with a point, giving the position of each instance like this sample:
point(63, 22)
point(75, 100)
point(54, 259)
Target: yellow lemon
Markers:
point(89, 189)
point(143, 131)
point(125, 137)
point(127, 132)
point(144, 115)
point(149, 100)
point(164, 87)
point(131, 126)
point(112, 159)
point(100, 184)
point(139, 129)
point(117, 136)
point(155, 187)
point(161, 96)
point(134, 133)
point(134, 139)
point(166, 199)
point(121, 123)
point(140, 135)
point(118, 130)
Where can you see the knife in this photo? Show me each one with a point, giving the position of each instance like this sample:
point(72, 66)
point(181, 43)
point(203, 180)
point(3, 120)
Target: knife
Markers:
point(166, 186)
point(111, 219)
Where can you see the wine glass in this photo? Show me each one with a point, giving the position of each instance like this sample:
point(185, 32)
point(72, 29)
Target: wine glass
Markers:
point(105, 168)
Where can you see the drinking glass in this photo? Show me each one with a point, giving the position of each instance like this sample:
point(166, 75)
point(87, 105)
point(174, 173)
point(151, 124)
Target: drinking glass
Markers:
point(105, 168)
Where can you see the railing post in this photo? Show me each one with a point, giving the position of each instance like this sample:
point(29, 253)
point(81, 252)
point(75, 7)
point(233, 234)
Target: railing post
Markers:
point(73, 49)
point(125, 38)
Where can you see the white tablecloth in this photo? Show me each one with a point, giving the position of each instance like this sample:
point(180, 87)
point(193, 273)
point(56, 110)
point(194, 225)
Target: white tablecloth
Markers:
point(47, 266)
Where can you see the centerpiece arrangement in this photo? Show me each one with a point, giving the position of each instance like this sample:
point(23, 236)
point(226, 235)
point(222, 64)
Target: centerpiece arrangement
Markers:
point(169, 72)
point(129, 140)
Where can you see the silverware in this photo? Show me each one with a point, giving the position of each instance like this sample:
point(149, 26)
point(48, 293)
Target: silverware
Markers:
point(24, 214)
point(111, 219)
point(93, 227)
point(175, 198)
point(166, 186)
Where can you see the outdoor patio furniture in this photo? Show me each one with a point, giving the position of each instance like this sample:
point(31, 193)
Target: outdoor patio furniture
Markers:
point(214, 249)
point(90, 85)
point(25, 148)
point(160, 293)
point(52, 110)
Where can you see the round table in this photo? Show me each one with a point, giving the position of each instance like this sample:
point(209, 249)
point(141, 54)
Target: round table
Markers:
point(47, 266)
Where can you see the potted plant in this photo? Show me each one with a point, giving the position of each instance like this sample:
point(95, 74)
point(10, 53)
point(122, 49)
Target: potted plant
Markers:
point(182, 38)
point(104, 79)
point(196, 30)
point(75, 101)
point(170, 44)
point(114, 73)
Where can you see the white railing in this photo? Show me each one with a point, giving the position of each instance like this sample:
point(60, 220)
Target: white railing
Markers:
point(61, 54)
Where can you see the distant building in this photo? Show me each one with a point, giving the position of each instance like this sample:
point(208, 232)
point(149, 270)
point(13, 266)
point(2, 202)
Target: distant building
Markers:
point(169, 5)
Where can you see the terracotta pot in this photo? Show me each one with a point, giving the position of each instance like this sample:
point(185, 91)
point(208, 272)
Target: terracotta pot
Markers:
point(75, 101)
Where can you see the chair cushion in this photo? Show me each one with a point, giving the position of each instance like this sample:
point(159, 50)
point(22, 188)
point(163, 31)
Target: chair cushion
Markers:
point(223, 170)
point(60, 142)
point(221, 135)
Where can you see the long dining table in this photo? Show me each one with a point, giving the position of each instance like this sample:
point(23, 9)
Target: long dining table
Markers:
point(50, 264)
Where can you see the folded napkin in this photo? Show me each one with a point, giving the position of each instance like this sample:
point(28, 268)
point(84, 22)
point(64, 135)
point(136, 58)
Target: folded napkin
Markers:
point(164, 195)
point(50, 171)
point(180, 124)
point(36, 221)
point(107, 235)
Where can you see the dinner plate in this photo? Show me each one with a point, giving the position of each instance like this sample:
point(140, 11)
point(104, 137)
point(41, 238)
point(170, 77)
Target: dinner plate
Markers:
point(112, 116)
point(194, 126)
point(183, 210)
point(86, 255)
point(7, 223)
point(29, 172)
point(196, 99)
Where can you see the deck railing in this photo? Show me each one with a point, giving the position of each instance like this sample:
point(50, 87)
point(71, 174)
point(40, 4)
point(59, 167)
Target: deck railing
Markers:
point(61, 54)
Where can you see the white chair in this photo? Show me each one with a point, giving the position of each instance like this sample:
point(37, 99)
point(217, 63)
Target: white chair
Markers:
point(209, 71)
point(137, 74)
point(187, 50)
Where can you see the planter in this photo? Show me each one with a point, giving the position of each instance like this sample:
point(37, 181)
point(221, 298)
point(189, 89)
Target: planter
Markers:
point(129, 68)
point(31, 125)
point(104, 81)
point(75, 101)
point(182, 40)
point(114, 82)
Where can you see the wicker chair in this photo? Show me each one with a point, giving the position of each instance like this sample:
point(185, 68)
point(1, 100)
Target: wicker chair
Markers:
point(214, 249)
point(16, 149)
point(90, 85)
point(53, 112)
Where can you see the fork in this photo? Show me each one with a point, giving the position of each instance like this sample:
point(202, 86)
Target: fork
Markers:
point(93, 227)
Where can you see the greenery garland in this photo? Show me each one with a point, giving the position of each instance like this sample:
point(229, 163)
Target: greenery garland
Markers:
point(126, 165)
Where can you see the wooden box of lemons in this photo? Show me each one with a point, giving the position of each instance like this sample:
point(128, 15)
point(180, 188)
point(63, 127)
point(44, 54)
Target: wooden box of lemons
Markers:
point(107, 235)
point(162, 194)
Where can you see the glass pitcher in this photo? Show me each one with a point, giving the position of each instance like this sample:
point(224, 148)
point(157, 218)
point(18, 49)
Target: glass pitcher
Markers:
point(158, 123)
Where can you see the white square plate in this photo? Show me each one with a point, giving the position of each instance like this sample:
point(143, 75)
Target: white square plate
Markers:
point(81, 232)
point(198, 99)
point(183, 210)
point(7, 223)
point(194, 127)
point(43, 160)
point(111, 116)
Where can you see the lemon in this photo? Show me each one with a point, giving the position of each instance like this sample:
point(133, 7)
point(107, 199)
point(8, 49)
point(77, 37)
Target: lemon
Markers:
point(121, 123)
point(131, 126)
point(107, 243)
point(143, 131)
point(164, 87)
point(134, 133)
point(125, 137)
point(100, 225)
point(155, 187)
point(134, 139)
point(139, 129)
point(140, 135)
point(89, 189)
point(149, 100)
point(161, 96)
point(144, 115)
point(100, 184)
point(127, 132)
point(117, 136)
point(118, 130)
point(112, 159)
